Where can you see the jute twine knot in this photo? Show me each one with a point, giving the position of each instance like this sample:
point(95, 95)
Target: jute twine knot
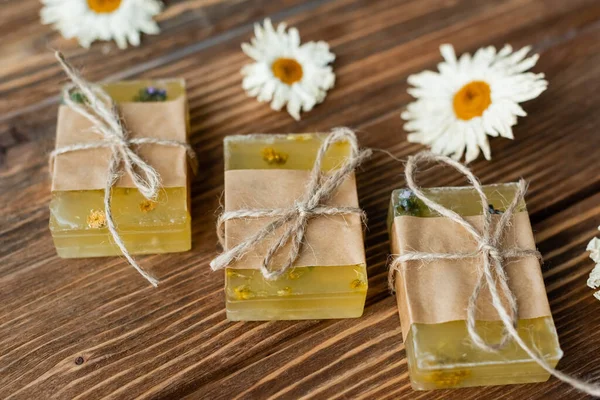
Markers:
point(492, 274)
point(99, 108)
point(320, 188)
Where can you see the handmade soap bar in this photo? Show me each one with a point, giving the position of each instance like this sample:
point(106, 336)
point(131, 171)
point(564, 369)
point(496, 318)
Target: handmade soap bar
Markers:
point(432, 296)
point(329, 279)
point(155, 109)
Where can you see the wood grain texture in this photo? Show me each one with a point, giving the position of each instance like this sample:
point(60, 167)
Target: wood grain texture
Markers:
point(91, 328)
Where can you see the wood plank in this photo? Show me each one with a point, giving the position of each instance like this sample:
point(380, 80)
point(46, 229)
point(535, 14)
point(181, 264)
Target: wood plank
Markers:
point(28, 77)
point(174, 341)
point(516, 159)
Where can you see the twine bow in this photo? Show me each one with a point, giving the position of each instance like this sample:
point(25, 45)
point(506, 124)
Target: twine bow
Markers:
point(489, 246)
point(493, 257)
point(100, 109)
point(320, 188)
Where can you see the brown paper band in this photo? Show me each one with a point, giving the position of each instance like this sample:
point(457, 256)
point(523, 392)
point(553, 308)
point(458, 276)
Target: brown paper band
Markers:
point(438, 291)
point(330, 240)
point(87, 170)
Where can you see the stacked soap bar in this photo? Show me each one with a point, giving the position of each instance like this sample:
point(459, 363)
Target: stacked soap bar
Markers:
point(304, 292)
point(77, 217)
point(442, 355)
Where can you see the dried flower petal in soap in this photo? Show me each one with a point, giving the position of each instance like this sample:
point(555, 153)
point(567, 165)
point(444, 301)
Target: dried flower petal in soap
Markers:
point(77, 217)
point(441, 354)
point(303, 292)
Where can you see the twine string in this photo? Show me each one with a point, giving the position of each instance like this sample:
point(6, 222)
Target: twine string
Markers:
point(492, 274)
point(102, 112)
point(320, 188)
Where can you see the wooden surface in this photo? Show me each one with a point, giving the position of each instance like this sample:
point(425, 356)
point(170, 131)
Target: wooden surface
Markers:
point(89, 328)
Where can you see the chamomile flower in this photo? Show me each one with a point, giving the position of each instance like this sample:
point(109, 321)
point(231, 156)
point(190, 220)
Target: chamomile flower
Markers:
point(470, 98)
point(286, 72)
point(90, 20)
point(594, 280)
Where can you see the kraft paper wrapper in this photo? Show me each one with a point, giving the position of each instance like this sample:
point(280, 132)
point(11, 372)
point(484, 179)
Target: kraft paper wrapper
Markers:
point(87, 169)
point(438, 291)
point(329, 240)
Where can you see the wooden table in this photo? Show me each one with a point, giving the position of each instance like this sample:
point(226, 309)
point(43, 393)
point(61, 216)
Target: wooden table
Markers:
point(88, 328)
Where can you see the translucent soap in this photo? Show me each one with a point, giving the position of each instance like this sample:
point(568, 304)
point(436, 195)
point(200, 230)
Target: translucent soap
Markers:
point(442, 355)
point(77, 217)
point(307, 292)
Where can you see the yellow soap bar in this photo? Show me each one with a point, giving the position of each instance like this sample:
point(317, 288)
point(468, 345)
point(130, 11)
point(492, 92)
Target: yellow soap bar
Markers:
point(309, 292)
point(443, 355)
point(77, 217)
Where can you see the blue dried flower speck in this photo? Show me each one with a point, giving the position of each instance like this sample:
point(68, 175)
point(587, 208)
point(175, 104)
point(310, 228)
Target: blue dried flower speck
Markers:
point(405, 194)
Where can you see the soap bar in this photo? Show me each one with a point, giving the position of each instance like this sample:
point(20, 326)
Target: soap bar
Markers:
point(432, 296)
point(270, 171)
point(77, 215)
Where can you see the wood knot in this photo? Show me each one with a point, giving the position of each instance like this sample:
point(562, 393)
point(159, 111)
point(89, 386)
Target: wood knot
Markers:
point(79, 360)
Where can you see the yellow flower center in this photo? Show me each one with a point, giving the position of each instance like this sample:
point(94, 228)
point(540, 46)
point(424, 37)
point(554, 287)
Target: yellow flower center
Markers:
point(273, 157)
point(147, 205)
point(287, 70)
point(357, 284)
point(103, 6)
point(472, 100)
point(96, 219)
point(243, 292)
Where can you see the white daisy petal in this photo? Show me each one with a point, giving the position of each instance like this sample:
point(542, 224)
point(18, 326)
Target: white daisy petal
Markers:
point(508, 132)
point(293, 105)
point(517, 56)
point(121, 40)
point(266, 91)
point(286, 72)
point(482, 139)
point(470, 98)
point(464, 61)
point(280, 97)
point(85, 42)
point(50, 15)
point(268, 27)
point(594, 248)
point(258, 31)
point(459, 150)
point(515, 108)
point(496, 122)
point(594, 279)
point(488, 128)
point(281, 29)
point(134, 38)
point(88, 21)
point(308, 100)
point(251, 51)
point(506, 50)
point(472, 145)
point(254, 81)
point(526, 64)
point(447, 51)
point(294, 38)
point(255, 91)
point(149, 27)
point(405, 115)
point(317, 52)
